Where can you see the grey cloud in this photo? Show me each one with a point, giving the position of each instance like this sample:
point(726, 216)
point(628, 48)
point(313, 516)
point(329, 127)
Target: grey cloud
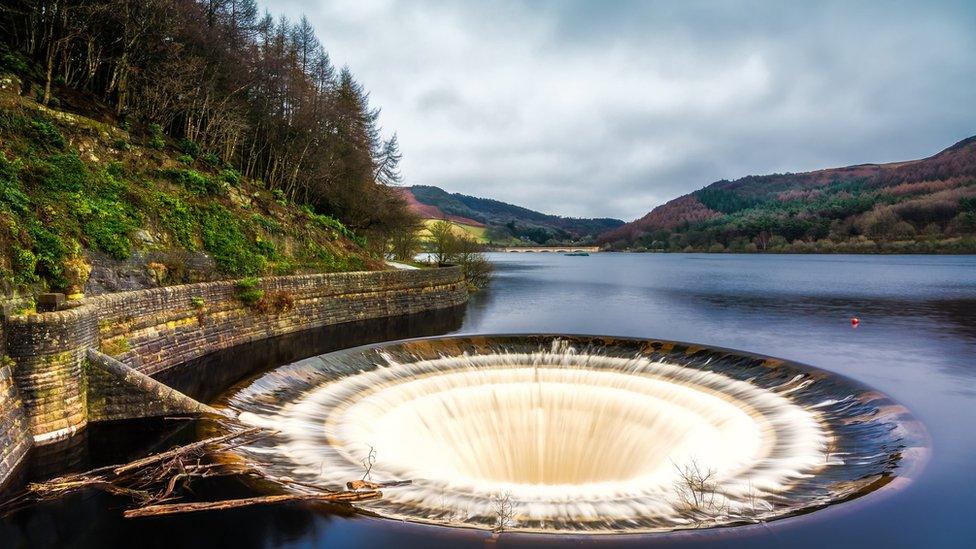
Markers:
point(581, 107)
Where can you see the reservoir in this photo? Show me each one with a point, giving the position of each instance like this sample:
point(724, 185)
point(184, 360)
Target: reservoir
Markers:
point(915, 342)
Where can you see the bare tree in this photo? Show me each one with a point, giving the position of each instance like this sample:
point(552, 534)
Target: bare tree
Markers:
point(696, 493)
point(503, 509)
point(829, 448)
point(259, 94)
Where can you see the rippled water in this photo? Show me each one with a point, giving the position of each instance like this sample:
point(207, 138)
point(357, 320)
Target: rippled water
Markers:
point(577, 434)
point(916, 342)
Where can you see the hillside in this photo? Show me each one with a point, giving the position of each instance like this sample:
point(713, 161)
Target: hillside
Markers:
point(926, 206)
point(505, 223)
point(429, 211)
point(82, 199)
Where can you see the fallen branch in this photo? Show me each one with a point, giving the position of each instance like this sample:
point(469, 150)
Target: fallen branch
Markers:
point(201, 446)
point(174, 508)
point(148, 480)
point(153, 480)
point(368, 485)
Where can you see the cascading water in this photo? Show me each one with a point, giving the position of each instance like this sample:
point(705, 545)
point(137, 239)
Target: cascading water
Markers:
point(576, 434)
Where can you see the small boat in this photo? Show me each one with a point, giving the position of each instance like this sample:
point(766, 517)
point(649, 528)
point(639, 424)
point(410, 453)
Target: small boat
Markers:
point(578, 253)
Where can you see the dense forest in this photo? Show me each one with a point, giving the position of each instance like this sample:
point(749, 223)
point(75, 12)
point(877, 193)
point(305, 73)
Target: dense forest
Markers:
point(511, 224)
point(920, 206)
point(110, 94)
point(243, 88)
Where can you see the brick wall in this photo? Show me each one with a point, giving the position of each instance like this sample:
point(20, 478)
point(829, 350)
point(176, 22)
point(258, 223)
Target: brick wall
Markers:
point(156, 329)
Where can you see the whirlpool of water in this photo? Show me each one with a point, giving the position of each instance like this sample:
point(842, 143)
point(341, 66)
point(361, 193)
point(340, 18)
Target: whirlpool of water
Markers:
point(577, 434)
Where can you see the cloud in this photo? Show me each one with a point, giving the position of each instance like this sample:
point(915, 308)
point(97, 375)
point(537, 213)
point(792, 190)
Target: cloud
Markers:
point(611, 108)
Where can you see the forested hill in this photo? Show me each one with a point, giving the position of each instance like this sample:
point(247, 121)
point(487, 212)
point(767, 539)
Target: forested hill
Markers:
point(920, 206)
point(149, 129)
point(510, 223)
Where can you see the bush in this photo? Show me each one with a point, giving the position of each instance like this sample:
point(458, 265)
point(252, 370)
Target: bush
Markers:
point(12, 61)
point(63, 172)
point(177, 218)
point(121, 144)
point(964, 223)
point(196, 182)
point(156, 139)
point(248, 291)
point(330, 223)
point(12, 198)
point(210, 159)
point(51, 251)
point(266, 247)
point(222, 237)
point(188, 146)
point(24, 264)
point(46, 134)
point(279, 197)
point(230, 176)
point(185, 159)
point(107, 224)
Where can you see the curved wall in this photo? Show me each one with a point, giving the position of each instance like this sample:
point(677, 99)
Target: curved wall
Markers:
point(44, 378)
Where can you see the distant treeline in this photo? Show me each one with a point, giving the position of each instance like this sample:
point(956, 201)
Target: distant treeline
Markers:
point(258, 94)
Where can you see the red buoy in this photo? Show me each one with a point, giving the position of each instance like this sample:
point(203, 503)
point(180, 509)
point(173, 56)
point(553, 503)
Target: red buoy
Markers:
point(855, 321)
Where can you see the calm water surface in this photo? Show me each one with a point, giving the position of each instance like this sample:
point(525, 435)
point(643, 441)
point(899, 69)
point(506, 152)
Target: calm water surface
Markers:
point(916, 342)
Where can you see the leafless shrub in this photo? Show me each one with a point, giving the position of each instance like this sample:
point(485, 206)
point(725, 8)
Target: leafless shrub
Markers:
point(696, 493)
point(503, 508)
point(829, 450)
point(368, 463)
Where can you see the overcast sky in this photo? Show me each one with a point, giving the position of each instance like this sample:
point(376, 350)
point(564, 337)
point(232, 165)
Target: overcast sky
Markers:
point(603, 108)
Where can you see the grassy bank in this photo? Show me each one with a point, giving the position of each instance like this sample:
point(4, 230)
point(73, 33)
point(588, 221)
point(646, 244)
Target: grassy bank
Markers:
point(76, 193)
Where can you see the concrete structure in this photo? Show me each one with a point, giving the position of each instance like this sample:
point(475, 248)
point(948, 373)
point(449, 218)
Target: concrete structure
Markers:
point(52, 385)
point(554, 249)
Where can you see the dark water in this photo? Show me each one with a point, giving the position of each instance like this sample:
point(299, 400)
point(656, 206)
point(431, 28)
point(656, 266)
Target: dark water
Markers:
point(916, 342)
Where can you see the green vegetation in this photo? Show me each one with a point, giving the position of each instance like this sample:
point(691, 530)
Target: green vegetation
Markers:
point(449, 245)
point(60, 205)
point(229, 93)
point(248, 291)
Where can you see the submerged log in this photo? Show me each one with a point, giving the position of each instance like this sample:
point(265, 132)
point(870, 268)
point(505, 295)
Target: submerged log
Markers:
point(175, 508)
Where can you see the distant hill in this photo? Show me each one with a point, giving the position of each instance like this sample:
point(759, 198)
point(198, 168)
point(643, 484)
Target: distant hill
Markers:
point(926, 205)
point(429, 211)
point(505, 223)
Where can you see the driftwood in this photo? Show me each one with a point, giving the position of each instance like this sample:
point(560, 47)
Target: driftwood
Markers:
point(368, 485)
point(174, 508)
point(154, 480)
point(149, 480)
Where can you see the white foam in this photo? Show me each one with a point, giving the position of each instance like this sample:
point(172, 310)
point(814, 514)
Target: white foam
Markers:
point(565, 437)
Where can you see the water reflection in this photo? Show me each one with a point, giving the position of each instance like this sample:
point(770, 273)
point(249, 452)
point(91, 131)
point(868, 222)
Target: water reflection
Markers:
point(917, 343)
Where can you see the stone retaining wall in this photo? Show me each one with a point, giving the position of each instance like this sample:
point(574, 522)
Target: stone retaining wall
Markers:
point(156, 329)
point(14, 434)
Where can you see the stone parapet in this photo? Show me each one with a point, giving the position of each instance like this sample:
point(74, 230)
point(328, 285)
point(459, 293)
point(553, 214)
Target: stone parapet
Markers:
point(46, 390)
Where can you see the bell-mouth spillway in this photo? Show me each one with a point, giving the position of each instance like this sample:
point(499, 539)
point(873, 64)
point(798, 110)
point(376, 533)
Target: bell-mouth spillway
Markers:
point(577, 434)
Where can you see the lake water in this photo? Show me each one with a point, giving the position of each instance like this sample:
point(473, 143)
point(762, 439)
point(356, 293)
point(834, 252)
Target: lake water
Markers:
point(916, 342)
